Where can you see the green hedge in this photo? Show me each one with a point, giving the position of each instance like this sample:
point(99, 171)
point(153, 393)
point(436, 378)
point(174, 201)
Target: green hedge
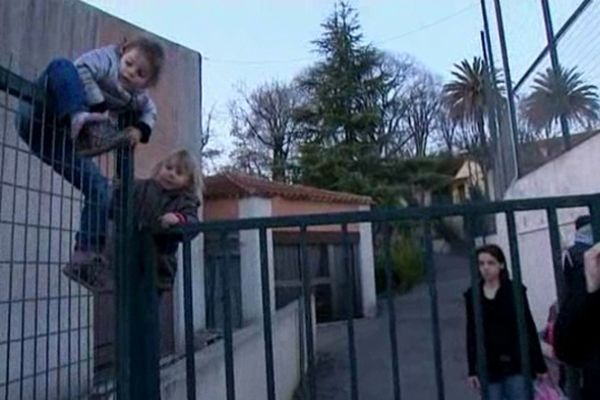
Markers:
point(407, 264)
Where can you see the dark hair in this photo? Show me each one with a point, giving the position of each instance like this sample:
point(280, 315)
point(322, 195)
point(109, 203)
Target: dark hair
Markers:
point(582, 221)
point(153, 51)
point(496, 252)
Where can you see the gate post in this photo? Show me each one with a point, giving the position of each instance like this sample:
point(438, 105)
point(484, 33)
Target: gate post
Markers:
point(137, 325)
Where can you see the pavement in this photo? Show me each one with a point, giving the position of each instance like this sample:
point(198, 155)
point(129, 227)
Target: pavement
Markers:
point(414, 333)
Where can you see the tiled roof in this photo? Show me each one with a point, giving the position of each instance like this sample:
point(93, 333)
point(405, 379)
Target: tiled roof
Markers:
point(238, 185)
point(535, 154)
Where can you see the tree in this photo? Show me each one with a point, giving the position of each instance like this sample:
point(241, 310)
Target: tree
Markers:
point(266, 131)
point(465, 96)
point(390, 101)
point(447, 131)
point(208, 154)
point(340, 116)
point(560, 93)
point(422, 109)
point(468, 97)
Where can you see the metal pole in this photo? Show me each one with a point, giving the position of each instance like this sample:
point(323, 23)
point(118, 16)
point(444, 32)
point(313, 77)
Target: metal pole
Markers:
point(490, 93)
point(556, 68)
point(498, 114)
point(509, 89)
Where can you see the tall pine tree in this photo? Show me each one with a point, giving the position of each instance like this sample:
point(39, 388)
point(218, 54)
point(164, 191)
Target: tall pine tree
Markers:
point(340, 153)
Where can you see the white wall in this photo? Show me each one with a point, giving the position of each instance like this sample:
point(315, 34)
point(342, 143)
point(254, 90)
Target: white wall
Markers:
point(367, 268)
point(250, 267)
point(575, 172)
point(249, 363)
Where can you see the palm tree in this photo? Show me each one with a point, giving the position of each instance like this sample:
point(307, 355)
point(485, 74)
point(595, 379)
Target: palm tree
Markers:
point(464, 97)
point(467, 100)
point(563, 93)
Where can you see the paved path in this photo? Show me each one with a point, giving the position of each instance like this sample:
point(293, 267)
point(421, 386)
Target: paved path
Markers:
point(417, 373)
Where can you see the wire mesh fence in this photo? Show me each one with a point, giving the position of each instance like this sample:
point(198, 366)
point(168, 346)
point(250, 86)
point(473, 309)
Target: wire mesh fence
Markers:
point(542, 98)
point(54, 209)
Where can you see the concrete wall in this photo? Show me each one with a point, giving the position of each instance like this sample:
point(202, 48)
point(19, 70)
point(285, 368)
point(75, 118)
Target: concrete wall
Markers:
point(367, 269)
point(33, 32)
point(572, 173)
point(252, 307)
point(249, 363)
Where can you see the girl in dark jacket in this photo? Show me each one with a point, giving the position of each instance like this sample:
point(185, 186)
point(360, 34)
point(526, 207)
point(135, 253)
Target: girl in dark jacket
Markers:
point(169, 198)
point(501, 340)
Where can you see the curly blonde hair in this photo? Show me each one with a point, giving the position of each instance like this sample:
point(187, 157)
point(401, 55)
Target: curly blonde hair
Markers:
point(183, 159)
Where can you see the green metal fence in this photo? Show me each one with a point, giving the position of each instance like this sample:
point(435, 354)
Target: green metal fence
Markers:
point(46, 349)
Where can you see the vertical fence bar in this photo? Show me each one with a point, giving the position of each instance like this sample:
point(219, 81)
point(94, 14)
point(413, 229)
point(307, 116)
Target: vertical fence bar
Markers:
point(227, 324)
point(482, 373)
point(144, 334)
point(25, 247)
point(519, 298)
point(435, 317)
point(493, 115)
point(11, 266)
point(594, 208)
point(50, 241)
point(301, 328)
point(38, 255)
point(266, 305)
point(559, 278)
point(190, 361)
point(2, 169)
point(71, 202)
point(305, 269)
point(61, 227)
point(350, 278)
point(387, 244)
point(123, 227)
point(509, 88)
point(564, 123)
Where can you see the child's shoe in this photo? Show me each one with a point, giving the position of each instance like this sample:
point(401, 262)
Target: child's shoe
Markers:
point(90, 270)
point(97, 137)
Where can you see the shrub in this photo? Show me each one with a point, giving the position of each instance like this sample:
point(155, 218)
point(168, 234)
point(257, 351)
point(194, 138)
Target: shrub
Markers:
point(407, 264)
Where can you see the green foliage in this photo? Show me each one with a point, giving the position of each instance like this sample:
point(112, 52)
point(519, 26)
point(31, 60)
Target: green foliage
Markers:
point(339, 153)
point(407, 264)
point(561, 93)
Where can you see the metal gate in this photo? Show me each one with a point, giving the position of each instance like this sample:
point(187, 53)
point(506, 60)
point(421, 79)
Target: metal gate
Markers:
point(46, 336)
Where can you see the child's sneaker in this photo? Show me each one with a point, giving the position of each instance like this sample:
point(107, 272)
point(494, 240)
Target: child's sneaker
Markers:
point(97, 137)
point(90, 270)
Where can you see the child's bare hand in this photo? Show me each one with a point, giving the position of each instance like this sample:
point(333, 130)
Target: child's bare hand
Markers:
point(591, 261)
point(168, 220)
point(473, 383)
point(134, 134)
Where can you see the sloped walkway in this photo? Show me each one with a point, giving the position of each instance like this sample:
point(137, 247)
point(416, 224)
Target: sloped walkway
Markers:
point(417, 373)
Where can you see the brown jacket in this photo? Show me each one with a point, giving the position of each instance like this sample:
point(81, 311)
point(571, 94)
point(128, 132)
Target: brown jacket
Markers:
point(151, 201)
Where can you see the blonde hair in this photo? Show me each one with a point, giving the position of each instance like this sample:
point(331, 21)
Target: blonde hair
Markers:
point(183, 159)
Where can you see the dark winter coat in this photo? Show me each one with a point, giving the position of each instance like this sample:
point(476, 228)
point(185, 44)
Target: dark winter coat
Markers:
point(573, 268)
point(501, 337)
point(577, 338)
point(151, 202)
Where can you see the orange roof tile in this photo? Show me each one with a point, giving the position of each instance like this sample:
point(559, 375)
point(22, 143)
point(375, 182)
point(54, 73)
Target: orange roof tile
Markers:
point(238, 185)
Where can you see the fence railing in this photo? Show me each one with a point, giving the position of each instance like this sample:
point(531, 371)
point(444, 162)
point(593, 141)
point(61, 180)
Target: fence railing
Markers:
point(423, 218)
point(55, 204)
point(48, 346)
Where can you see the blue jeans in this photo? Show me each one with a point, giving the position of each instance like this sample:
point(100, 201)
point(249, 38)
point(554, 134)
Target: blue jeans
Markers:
point(52, 144)
point(512, 387)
